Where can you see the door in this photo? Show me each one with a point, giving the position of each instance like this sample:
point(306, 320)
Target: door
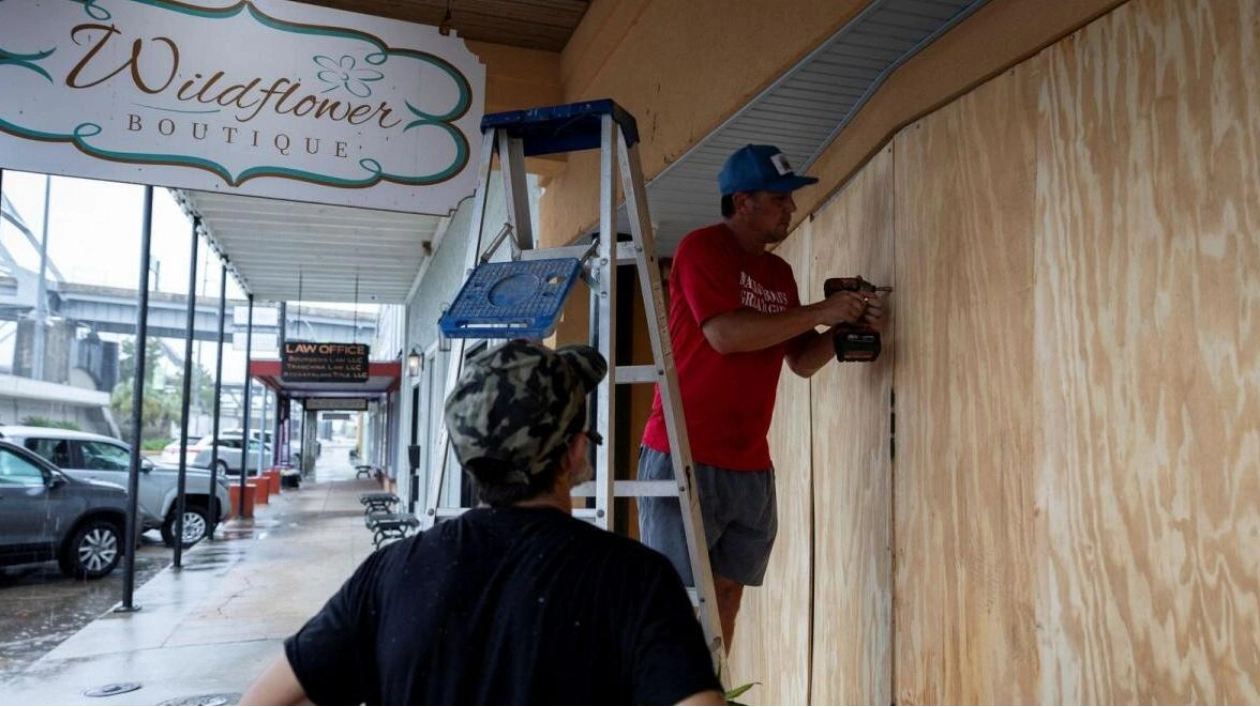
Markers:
point(106, 461)
point(26, 504)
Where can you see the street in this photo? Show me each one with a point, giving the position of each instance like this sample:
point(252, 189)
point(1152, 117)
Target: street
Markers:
point(40, 607)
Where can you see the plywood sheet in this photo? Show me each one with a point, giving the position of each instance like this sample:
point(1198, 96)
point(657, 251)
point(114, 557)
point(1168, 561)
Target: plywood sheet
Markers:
point(965, 530)
point(852, 472)
point(1148, 357)
point(771, 643)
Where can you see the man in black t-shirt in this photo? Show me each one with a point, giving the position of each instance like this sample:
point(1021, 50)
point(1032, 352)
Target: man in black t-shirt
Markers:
point(514, 602)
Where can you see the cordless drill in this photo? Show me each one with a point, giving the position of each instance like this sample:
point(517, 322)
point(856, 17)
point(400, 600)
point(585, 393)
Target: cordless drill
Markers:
point(854, 341)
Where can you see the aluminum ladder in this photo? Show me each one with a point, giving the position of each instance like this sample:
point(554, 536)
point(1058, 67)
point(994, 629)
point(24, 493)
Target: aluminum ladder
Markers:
point(490, 307)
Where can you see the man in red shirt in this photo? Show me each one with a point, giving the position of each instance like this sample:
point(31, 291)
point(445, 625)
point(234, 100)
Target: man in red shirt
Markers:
point(734, 318)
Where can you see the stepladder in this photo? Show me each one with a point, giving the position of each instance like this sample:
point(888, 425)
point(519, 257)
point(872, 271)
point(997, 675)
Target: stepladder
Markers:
point(519, 294)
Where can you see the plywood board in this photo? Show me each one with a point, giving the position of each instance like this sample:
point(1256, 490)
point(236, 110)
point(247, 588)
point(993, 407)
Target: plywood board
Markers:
point(852, 471)
point(965, 531)
point(1148, 357)
point(771, 643)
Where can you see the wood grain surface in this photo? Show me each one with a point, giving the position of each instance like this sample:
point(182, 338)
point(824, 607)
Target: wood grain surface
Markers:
point(965, 521)
point(852, 474)
point(1148, 357)
point(772, 636)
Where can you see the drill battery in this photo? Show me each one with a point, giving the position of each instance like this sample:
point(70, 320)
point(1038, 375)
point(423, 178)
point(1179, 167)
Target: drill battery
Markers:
point(854, 342)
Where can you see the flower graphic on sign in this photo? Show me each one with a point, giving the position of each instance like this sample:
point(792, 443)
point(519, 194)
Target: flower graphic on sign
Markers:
point(341, 73)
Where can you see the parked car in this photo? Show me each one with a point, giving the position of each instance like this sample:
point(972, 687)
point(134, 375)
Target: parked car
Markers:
point(229, 460)
point(49, 515)
point(94, 457)
point(295, 446)
point(170, 453)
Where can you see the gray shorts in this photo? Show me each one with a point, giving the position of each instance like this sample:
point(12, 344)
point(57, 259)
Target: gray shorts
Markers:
point(740, 518)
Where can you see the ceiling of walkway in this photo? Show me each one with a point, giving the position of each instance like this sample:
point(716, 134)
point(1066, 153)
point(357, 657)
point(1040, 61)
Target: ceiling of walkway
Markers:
point(531, 24)
point(286, 251)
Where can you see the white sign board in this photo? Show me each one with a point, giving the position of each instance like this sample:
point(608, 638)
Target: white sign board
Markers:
point(263, 316)
point(262, 343)
point(263, 97)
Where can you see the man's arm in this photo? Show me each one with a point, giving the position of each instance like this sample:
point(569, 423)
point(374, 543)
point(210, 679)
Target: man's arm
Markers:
point(278, 685)
point(748, 330)
point(810, 351)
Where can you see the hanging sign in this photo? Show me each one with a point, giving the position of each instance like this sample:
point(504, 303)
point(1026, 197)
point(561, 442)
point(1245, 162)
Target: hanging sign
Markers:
point(265, 97)
point(352, 404)
point(311, 362)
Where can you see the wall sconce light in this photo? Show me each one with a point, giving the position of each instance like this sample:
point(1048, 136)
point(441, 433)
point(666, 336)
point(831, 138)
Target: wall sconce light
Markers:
point(413, 362)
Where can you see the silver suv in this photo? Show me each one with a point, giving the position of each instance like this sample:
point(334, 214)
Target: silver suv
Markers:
point(94, 457)
point(46, 515)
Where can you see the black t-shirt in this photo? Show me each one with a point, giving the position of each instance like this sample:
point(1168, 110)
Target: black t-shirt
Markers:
point(506, 606)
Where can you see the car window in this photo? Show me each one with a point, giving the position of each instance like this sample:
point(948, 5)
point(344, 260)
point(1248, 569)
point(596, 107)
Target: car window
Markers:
point(16, 471)
point(56, 451)
point(103, 456)
point(231, 443)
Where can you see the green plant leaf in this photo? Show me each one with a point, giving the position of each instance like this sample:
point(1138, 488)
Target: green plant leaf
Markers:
point(734, 693)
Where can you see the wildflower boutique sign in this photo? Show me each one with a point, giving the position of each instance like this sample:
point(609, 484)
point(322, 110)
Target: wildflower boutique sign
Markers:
point(261, 97)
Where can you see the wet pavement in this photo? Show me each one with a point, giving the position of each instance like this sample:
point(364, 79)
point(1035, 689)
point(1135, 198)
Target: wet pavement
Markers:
point(40, 607)
point(205, 631)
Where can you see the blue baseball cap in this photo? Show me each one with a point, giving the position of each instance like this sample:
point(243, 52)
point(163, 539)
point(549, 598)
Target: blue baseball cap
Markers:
point(759, 168)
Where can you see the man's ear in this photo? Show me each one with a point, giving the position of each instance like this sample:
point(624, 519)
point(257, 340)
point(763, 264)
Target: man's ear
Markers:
point(575, 454)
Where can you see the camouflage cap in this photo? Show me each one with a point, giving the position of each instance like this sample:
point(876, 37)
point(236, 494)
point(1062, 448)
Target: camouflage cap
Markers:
point(519, 402)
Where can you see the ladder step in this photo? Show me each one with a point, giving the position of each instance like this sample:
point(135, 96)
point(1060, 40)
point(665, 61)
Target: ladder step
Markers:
point(586, 513)
point(635, 374)
point(625, 252)
point(629, 489)
point(511, 300)
point(567, 128)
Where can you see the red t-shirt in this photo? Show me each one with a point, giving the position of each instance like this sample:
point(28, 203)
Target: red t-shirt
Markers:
point(727, 400)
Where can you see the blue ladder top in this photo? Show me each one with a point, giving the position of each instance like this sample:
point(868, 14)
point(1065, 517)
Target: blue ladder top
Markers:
point(567, 128)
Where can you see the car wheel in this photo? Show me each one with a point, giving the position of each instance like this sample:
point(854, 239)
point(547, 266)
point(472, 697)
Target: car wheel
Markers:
point(224, 470)
point(93, 550)
point(196, 525)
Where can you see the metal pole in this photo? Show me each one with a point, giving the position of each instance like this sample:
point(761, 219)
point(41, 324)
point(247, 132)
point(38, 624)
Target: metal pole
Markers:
point(218, 392)
point(181, 485)
point(197, 404)
point(137, 408)
point(249, 343)
point(41, 293)
point(262, 429)
point(277, 456)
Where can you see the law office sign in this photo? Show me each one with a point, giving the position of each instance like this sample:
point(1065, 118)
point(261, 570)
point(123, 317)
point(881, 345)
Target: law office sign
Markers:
point(314, 362)
point(262, 97)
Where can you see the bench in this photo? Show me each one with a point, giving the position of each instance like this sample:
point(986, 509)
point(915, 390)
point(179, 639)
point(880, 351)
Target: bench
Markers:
point(390, 526)
point(378, 502)
point(365, 470)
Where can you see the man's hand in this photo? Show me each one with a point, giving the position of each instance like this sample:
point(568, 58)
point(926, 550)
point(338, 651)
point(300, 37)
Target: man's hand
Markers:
point(873, 317)
point(841, 307)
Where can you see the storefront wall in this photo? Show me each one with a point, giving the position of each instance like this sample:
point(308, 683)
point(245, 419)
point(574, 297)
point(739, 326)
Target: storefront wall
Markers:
point(1063, 196)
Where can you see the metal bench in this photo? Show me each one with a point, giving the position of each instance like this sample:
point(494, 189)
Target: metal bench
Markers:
point(390, 526)
point(378, 502)
point(364, 470)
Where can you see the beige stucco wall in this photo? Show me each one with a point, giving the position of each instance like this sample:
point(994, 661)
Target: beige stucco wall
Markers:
point(680, 68)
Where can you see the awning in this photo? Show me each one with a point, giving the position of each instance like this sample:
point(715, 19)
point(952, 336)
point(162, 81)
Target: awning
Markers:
point(286, 251)
point(383, 378)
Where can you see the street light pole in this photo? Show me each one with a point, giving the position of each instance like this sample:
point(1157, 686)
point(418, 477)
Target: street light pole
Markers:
point(41, 294)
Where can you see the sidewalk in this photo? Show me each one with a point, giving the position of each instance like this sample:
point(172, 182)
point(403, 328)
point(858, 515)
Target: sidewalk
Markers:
point(205, 632)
